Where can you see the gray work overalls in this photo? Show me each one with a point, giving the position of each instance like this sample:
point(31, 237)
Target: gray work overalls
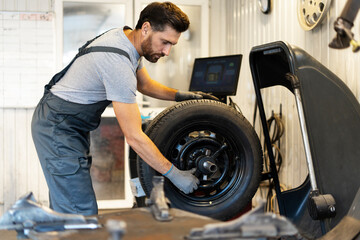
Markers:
point(61, 133)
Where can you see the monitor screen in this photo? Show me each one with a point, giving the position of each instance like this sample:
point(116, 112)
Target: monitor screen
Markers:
point(216, 75)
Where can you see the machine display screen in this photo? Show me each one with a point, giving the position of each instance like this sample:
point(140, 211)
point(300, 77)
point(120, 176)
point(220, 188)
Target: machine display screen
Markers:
point(216, 75)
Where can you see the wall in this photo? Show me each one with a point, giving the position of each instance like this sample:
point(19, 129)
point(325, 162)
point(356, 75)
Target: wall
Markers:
point(242, 26)
point(26, 5)
point(26, 63)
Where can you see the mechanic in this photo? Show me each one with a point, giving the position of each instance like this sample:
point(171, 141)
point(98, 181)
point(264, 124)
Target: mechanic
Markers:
point(107, 69)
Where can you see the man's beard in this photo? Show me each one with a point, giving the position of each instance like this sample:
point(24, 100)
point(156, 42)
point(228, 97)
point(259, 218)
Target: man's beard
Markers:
point(148, 51)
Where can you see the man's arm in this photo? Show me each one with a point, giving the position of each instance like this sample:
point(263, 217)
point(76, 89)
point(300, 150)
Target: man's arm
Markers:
point(128, 116)
point(148, 86)
point(129, 119)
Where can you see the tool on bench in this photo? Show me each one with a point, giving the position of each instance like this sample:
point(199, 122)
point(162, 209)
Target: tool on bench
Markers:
point(27, 215)
point(158, 203)
point(254, 225)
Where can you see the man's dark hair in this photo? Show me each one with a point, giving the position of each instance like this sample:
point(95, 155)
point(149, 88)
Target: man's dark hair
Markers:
point(160, 15)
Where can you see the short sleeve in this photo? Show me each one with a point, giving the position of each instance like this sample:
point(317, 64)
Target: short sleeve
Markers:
point(119, 78)
point(141, 64)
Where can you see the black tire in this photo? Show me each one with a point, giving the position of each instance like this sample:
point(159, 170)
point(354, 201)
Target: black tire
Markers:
point(189, 131)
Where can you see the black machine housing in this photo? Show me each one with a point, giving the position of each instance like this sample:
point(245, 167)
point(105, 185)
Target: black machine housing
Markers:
point(332, 118)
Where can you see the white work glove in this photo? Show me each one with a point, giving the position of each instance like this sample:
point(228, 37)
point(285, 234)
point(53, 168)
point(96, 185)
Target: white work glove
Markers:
point(184, 95)
point(183, 180)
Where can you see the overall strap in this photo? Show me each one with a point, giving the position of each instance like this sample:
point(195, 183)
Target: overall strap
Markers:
point(82, 51)
point(90, 41)
point(103, 49)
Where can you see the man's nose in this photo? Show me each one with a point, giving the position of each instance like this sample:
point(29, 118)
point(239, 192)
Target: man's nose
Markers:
point(166, 50)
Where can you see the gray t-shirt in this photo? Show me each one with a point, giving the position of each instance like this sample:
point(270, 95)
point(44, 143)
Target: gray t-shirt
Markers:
point(99, 76)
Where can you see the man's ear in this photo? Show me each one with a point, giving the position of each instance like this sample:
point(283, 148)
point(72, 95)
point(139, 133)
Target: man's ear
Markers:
point(146, 28)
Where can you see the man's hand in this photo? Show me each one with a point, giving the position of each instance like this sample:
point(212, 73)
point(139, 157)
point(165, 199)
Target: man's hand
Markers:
point(184, 95)
point(183, 180)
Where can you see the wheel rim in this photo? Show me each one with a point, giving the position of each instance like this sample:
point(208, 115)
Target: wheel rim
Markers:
point(191, 146)
point(312, 12)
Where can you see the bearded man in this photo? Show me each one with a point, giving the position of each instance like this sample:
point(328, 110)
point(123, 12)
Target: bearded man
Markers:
point(107, 69)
